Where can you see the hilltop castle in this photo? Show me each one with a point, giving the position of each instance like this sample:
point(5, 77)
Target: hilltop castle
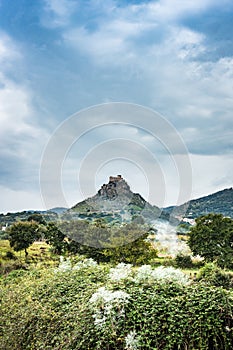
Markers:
point(115, 178)
point(116, 185)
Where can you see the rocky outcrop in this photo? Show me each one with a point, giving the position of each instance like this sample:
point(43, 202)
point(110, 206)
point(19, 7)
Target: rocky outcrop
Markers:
point(115, 198)
point(116, 186)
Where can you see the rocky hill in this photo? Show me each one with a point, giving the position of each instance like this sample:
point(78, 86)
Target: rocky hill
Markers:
point(115, 201)
point(219, 202)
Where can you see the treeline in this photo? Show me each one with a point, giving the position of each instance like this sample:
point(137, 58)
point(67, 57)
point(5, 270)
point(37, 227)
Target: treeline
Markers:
point(102, 242)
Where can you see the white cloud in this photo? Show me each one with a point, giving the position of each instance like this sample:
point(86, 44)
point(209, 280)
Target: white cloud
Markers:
point(118, 38)
point(8, 50)
point(167, 10)
point(21, 138)
point(140, 52)
point(16, 112)
point(58, 12)
point(211, 174)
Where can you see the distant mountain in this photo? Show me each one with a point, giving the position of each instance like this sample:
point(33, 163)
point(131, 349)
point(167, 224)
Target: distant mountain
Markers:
point(220, 202)
point(48, 215)
point(115, 202)
point(57, 210)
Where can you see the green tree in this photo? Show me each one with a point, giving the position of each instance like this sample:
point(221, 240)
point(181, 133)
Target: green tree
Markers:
point(37, 218)
point(102, 242)
point(212, 238)
point(22, 234)
point(85, 238)
point(129, 244)
point(56, 237)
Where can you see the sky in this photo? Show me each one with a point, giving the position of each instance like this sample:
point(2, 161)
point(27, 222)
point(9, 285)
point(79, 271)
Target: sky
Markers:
point(59, 58)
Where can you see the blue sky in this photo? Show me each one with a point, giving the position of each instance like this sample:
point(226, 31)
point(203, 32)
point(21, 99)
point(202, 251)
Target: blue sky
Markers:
point(58, 57)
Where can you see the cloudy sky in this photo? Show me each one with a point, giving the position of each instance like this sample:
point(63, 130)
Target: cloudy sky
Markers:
point(59, 57)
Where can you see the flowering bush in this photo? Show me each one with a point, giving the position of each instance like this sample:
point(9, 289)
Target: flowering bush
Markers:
point(170, 274)
point(85, 264)
point(120, 272)
point(66, 265)
point(143, 274)
point(131, 341)
point(163, 274)
point(86, 309)
point(108, 305)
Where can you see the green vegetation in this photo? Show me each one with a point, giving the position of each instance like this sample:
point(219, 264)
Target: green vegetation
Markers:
point(212, 238)
point(89, 306)
point(126, 243)
point(23, 234)
point(220, 202)
point(215, 276)
point(39, 254)
point(10, 218)
point(113, 289)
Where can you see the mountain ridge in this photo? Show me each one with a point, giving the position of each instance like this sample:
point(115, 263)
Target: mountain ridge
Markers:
point(220, 202)
point(116, 198)
point(217, 202)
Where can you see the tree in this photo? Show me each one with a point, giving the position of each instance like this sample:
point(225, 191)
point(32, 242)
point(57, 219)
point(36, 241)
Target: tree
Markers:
point(55, 236)
point(212, 238)
point(102, 242)
point(85, 238)
point(22, 234)
point(129, 244)
point(37, 218)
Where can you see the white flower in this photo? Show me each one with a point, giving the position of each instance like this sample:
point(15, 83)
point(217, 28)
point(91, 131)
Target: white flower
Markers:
point(65, 265)
point(85, 263)
point(108, 304)
point(143, 273)
point(146, 273)
point(99, 319)
point(170, 274)
point(131, 341)
point(107, 296)
point(121, 271)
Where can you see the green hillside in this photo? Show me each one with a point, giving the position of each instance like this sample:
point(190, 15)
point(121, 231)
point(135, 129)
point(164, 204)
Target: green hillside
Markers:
point(220, 202)
point(115, 202)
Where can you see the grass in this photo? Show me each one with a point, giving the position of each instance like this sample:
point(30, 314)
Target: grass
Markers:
point(39, 253)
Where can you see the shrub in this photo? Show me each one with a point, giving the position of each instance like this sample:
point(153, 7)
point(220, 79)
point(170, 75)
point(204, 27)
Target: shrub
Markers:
point(183, 261)
point(214, 275)
point(10, 255)
point(7, 267)
point(88, 308)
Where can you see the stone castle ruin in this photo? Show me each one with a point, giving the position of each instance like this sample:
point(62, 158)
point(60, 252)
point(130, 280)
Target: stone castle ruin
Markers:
point(116, 186)
point(115, 178)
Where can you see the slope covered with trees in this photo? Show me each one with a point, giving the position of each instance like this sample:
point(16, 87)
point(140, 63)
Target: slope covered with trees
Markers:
point(220, 202)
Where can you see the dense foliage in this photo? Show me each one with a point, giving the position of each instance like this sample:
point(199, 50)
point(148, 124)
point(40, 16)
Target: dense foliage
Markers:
point(23, 234)
point(97, 239)
point(87, 306)
point(212, 238)
point(104, 243)
point(219, 203)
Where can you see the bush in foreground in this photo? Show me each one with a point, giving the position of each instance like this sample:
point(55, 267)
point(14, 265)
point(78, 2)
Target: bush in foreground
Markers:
point(88, 306)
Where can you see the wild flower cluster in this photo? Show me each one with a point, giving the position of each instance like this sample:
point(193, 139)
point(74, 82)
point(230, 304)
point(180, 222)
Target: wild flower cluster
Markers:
point(121, 272)
point(131, 341)
point(108, 305)
point(66, 265)
point(145, 273)
point(85, 263)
